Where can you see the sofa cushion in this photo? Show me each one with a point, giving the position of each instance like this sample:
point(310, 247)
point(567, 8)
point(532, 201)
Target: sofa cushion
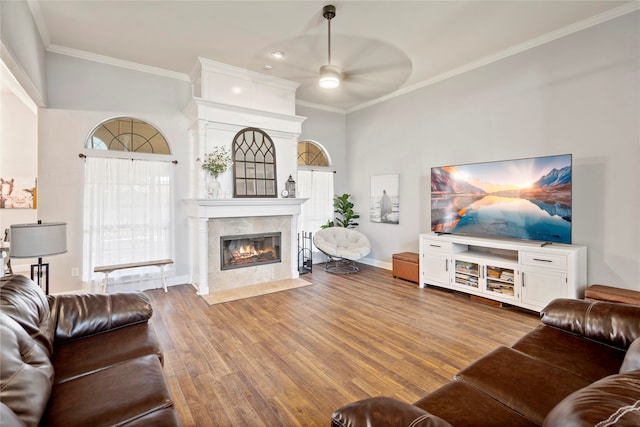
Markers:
point(614, 324)
point(632, 358)
point(119, 395)
point(614, 400)
point(26, 373)
point(588, 359)
point(80, 316)
point(525, 384)
point(463, 405)
point(384, 412)
point(75, 358)
point(24, 301)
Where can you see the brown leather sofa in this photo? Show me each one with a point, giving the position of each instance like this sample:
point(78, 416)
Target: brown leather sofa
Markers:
point(79, 360)
point(581, 367)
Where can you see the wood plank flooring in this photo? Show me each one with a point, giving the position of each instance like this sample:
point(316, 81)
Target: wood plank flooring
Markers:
point(291, 358)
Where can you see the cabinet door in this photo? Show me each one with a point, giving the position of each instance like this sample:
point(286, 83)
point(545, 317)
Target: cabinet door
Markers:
point(466, 274)
point(436, 268)
point(501, 281)
point(540, 286)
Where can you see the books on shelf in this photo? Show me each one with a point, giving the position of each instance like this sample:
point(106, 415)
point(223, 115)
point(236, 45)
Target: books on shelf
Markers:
point(500, 288)
point(507, 275)
point(466, 280)
point(493, 272)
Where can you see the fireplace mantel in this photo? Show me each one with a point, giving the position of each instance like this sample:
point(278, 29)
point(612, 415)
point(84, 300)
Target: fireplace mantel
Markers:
point(200, 211)
point(234, 208)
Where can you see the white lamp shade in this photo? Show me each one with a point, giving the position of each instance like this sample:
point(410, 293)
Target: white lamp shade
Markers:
point(38, 240)
point(329, 76)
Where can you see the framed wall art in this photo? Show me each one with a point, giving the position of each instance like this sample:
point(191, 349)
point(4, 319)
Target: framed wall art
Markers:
point(384, 205)
point(18, 193)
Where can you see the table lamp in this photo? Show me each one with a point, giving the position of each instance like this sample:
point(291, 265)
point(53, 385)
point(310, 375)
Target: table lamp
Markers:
point(36, 241)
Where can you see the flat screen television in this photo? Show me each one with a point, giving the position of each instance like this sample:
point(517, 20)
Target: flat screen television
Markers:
point(526, 199)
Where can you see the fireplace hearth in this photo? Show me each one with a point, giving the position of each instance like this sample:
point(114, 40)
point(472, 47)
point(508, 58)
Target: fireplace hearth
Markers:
point(249, 250)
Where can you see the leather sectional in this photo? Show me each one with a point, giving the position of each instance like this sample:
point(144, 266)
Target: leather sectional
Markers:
point(580, 367)
point(79, 360)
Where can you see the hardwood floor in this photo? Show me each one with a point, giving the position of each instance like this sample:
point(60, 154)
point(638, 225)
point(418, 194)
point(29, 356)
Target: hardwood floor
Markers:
point(292, 357)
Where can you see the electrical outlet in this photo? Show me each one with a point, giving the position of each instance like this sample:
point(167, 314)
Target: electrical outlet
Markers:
point(75, 272)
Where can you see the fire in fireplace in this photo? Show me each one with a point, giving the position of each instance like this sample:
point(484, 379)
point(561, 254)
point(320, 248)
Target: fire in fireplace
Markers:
point(249, 250)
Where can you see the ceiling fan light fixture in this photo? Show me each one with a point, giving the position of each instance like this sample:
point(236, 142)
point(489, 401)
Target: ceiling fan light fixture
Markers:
point(330, 76)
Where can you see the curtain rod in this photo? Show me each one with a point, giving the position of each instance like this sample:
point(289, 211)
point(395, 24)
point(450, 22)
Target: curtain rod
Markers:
point(316, 170)
point(175, 162)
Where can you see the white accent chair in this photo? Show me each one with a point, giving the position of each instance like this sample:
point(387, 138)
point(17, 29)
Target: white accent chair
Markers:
point(342, 246)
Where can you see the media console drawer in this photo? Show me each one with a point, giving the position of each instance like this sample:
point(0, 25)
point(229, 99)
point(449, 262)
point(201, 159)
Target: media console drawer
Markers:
point(544, 260)
point(406, 265)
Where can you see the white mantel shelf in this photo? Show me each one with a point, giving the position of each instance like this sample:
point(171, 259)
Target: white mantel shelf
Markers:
point(200, 211)
point(235, 208)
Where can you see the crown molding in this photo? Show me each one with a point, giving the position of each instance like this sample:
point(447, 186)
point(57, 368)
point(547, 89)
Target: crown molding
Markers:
point(538, 41)
point(108, 60)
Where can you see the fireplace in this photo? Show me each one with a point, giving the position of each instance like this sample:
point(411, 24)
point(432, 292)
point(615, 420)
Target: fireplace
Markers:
point(249, 250)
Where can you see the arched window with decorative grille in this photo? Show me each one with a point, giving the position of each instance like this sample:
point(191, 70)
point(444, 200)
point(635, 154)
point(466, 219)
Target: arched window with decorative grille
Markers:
point(127, 134)
point(311, 153)
point(254, 159)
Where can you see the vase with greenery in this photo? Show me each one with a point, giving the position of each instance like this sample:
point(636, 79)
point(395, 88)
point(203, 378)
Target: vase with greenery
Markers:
point(215, 163)
point(345, 216)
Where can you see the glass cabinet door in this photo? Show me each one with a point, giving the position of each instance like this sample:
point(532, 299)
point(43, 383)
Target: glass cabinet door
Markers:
point(466, 273)
point(500, 280)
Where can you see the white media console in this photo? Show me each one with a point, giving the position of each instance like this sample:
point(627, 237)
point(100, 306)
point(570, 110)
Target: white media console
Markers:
point(521, 273)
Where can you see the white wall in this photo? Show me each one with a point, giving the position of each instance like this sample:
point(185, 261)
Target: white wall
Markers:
point(83, 94)
point(579, 95)
point(329, 130)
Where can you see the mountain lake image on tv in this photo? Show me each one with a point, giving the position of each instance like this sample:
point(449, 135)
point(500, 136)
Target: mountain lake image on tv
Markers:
point(526, 199)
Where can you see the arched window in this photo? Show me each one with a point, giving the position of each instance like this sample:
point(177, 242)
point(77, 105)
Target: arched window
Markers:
point(312, 154)
point(128, 134)
point(254, 158)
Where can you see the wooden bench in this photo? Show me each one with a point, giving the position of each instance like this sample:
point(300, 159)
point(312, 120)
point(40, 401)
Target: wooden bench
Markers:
point(612, 294)
point(108, 269)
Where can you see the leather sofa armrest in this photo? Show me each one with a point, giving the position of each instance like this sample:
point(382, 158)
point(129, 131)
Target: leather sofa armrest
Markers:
point(612, 400)
point(82, 315)
point(610, 323)
point(384, 412)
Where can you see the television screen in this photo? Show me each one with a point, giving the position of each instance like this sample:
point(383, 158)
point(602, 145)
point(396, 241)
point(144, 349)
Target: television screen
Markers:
point(523, 199)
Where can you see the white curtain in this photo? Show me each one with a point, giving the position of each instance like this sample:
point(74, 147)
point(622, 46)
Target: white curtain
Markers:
point(127, 214)
point(317, 186)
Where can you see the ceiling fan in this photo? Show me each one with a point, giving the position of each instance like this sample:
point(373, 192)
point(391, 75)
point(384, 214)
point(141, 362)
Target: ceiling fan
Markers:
point(362, 68)
point(330, 75)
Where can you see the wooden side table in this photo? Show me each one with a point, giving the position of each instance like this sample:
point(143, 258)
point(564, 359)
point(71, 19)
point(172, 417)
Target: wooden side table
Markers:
point(406, 265)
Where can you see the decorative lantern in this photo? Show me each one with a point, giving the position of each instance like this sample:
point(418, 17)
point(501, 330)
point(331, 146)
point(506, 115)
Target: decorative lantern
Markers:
point(291, 187)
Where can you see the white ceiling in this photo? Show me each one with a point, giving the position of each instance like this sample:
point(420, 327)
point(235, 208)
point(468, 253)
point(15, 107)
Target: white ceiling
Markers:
point(383, 47)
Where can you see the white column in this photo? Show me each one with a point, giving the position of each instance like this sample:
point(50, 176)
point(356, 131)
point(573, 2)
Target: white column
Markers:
point(203, 256)
point(202, 149)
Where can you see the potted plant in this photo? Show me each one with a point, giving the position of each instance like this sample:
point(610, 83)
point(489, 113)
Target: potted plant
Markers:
point(345, 217)
point(215, 163)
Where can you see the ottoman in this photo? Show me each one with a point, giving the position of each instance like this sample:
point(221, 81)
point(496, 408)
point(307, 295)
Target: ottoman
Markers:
point(406, 266)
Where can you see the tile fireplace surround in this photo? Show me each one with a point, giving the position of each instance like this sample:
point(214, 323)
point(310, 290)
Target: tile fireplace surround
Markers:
point(213, 218)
